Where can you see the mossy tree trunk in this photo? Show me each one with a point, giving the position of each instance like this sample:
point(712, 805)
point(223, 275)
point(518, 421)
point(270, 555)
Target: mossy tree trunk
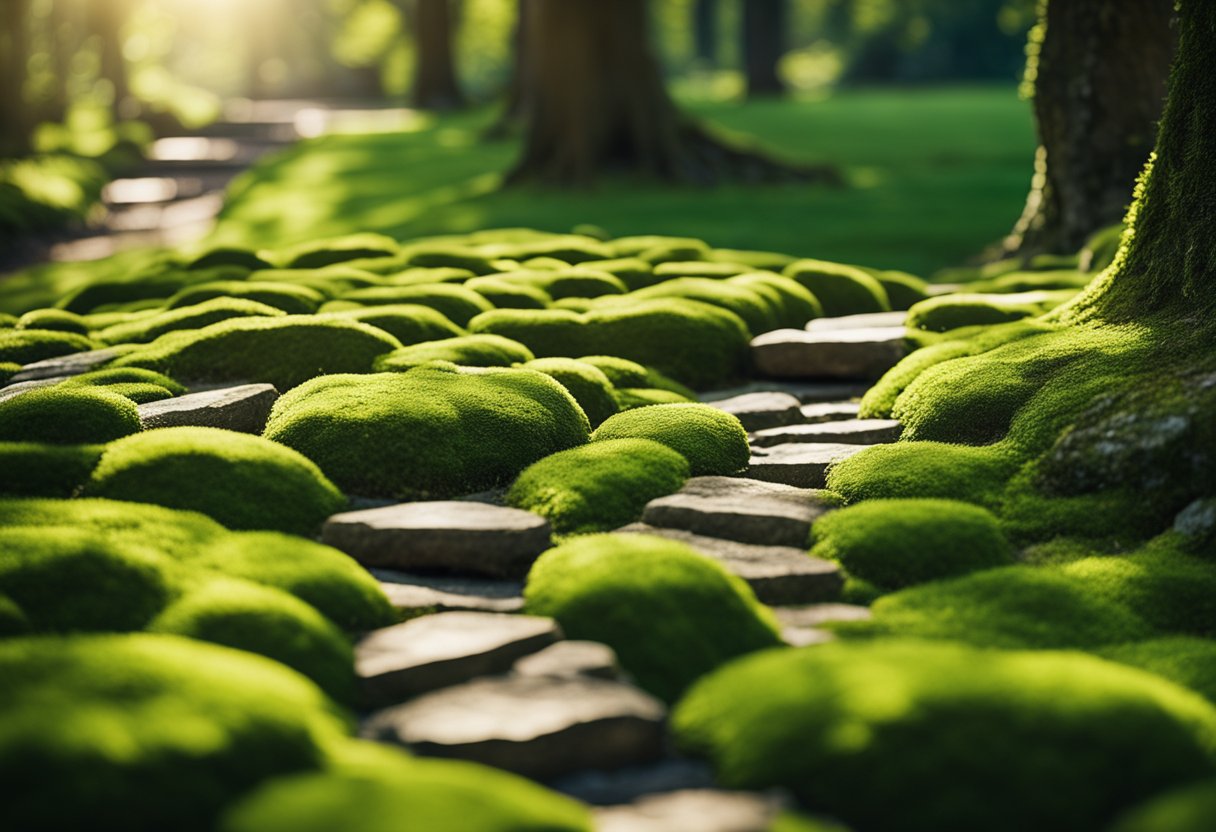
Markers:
point(764, 25)
point(1099, 70)
point(435, 81)
point(705, 31)
point(15, 121)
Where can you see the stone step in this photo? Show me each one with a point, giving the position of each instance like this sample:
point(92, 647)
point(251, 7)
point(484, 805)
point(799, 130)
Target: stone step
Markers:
point(802, 465)
point(814, 414)
point(837, 354)
point(244, 408)
point(802, 626)
point(448, 648)
point(541, 727)
point(461, 537)
point(415, 595)
point(65, 365)
point(870, 320)
point(757, 411)
point(851, 432)
point(735, 508)
point(807, 392)
point(13, 390)
point(702, 810)
point(571, 658)
point(777, 574)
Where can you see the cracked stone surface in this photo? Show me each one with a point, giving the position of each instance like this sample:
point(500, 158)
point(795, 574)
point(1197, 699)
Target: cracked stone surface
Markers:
point(851, 432)
point(803, 465)
point(757, 411)
point(413, 594)
point(244, 408)
point(837, 354)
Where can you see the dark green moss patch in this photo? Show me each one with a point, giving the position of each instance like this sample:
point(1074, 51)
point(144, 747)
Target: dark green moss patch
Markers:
point(25, 346)
point(294, 300)
point(840, 289)
point(149, 328)
point(55, 320)
point(457, 303)
point(67, 415)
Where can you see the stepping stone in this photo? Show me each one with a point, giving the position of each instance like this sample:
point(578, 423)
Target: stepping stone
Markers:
point(537, 726)
point(803, 626)
point(625, 785)
point(424, 594)
point(758, 411)
point(815, 414)
point(14, 390)
point(849, 353)
point(807, 392)
point(777, 574)
point(65, 365)
point(572, 658)
point(445, 649)
point(803, 465)
point(703, 810)
point(245, 409)
point(851, 432)
point(469, 538)
point(867, 321)
point(735, 508)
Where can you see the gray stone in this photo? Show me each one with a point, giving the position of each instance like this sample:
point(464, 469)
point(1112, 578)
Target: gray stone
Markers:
point(66, 365)
point(463, 537)
point(757, 411)
point(777, 574)
point(537, 726)
point(415, 594)
point(807, 392)
point(804, 626)
point(624, 785)
point(14, 390)
point(803, 465)
point(444, 649)
point(806, 636)
point(701, 810)
point(245, 409)
point(851, 432)
point(572, 658)
point(867, 321)
point(815, 414)
point(740, 509)
point(843, 354)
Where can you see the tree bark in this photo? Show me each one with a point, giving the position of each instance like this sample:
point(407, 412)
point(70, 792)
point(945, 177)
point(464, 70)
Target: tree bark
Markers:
point(15, 122)
point(705, 31)
point(1099, 88)
point(108, 19)
point(513, 100)
point(435, 84)
point(764, 26)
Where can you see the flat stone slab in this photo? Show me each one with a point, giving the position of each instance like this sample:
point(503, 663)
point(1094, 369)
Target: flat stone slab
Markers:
point(868, 321)
point(841, 354)
point(807, 392)
point(757, 411)
point(572, 658)
point(803, 626)
point(65, 365)
point(702, 810)
point(462, 537)
point(13, 390)
point(448, 648)
point(245, 408)
point(851, 432)
point(736, 508)
point(777, 574)
point(538, 726)
point(816, 414)
point(802, 465)
point(413, 594)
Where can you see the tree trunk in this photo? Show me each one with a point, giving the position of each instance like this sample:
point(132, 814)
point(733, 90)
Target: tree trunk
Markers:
point(108, 19)
point(15, 122)
point(595, 103)
point(764, 26)
point(705, 31)
point(435, 83)
point(513, 103)
point(1099, 88)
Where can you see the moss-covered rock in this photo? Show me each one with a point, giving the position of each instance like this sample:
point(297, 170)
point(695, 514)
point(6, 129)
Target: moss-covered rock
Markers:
point(228, 256)
point(118, 376)
point(624, 373)
point(598, 487)
point(508, 294)
point(903, 289)
point(947, 312)
point(32, 469)
point(671, 614)
point(570, 248)
point(1187, 809)
point(712, 440)
point(719, 269)
point(657, 248)
point(924, 470)
point(242, 481)
point(292, 299)
point(840, 289)
point(433, 431)
point(588, 385)
point(436, 256)
point(148, 328)
point(67, 415)
point(316, 254)
point(631, 398)
point(634, 272)
point(143, 289)
point(466, 350)
point(755, 310)
point(25, 346)
point(408, 323)
point(568, 283)
point(1184, 660)
point(457, 303)
point(55, 320)
point(791, 303)
point(870, 733)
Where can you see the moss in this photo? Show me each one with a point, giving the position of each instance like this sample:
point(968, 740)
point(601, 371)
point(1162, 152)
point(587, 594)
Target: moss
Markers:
point(431, 432)
point(923, 469)
point(465, 350)
point(1188, 809)
point(30, 469)
point(316, 254)
point(294, 300)
point(700, 268)
point(756, 311)
point(656, 248)
point(148, 732)
point(1101, 248)
point(634, 272)
point(55, 320)
point(408, 323)
point(893, 544)
point(840, 289)
point(585, 382)
point(1019, 281)
point(66, 415)
point(418, 276)
point(228, 256)
point(141, 290)
point(435, 257)
point(712, 440)
point(140, 392)
point(766, 260)
point(149, 328)
point(625, 373)
point(533, 264)
point(457, 303)
point(903, 289)
point(630, 398)
point(7, 321)
point(507, 294)
point(870, 733)
point(125, 375)
point(947, 312)
point(572, 248)
point(670, 614)
point(25, 346)
point(598, 487)
point(1186, 661)
point(792, 304)
point(8, 369)
point(284, 351)
point(569, 283)
point(242, 481)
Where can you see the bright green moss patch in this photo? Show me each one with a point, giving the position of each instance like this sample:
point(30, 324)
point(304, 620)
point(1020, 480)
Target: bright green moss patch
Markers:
point(752, 308)
point(457, 303)
point(228, 256)
point(712, 440)
point(67, 415)
point(792, 305)
point(870, 733)
point(30, 469)
point(840, 289)
point(1187, 661)
point(569, 283)
point(588, 385)
point(670, 614)
point(634, 272)
point(434, 431)
point(1188, 809)
point(924, 470)
point(139, 392)
point(317, 254)
point(893, 544)
point(625, 373)
point(598, 487)
point(294, 300)
point(242, 481)
point(125, 375)
point(465, 350)
point(408, 323)
point(903, 290)
point(947, 312)
point(25, 346)
point(631, 398)
point(435, 256)
point(56, 320)
point(699, 268)
point(149, 328)
point(507, 294)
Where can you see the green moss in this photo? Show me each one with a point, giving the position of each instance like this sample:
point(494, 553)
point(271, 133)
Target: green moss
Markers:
point(125, 375)
point(1188, 809)
point(893, 544)
point(316, 254)
point(30, 469)
point(656, 248)
point(228, 256)
point(434, 256)
point(766, 260)
point(431, 432)
point(598, 487)
point(625, 373)
point(923, 469)
point(465, 350)
point(1100, 250)
point(66, 415)
point(418, 276)
point(840, 289)
point(408, 323)
point(148, 732)
point(284, 351)
point(294, 300)
point(870, 733)
point(634, 272)
point(792, 304)
point(507, 294)
point(458, 303)
point(139, 392)
point(719, 269)
point(25, 346)
point(55, 320)
point(8, 369)
point(1186, 661)
point(242, 481)
point(903, 290)
point(585, 382)
point(579, 282)
point(712, 440)
point(670, 614)
point(149, 328)
point(572, 248)
point(1020, 281)
point(140, 290)
point(630, 398)
point(7, 321)
point(755, 310)
point(947, 312)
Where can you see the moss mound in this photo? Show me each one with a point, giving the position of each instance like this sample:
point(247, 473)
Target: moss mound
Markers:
point(55, 320)
point(228, 256)
point(923, 470)
point(903, 290)
point(457, 303)
point(508, 294)
point(434, 431)
point(588, 385)
point(465, 351)
point(634, 272)
point(893, 544)
point(840, 289)
point(1189, 809)
point(870, 733)
point(149, 328)
point(712, 440)
point(631, 398)
point(31, 469)
point(8, 369)
point(242, 481)
point(408, 323)
point(598, 487)
point(25, 346)
point(792, 304)
point(294, 300)
point(569, 283)
point(123, 379)
point(1184, 660)
point(316, 254)
point(754, 309)
point(670, 614)
point(947, 312)
point(68, 415)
